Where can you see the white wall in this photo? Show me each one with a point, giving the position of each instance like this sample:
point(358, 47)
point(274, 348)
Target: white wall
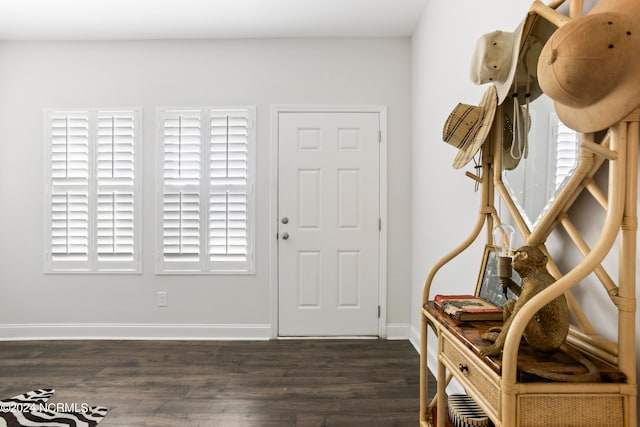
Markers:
point(39, 75)
point(444, 204)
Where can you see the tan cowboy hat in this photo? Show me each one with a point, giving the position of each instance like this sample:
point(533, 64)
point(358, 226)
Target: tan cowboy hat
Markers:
point(467, 126)
point(535, 33)
point(590, 67)
point(510, 59)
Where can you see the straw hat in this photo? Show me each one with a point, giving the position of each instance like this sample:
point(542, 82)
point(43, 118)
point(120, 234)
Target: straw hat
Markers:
point(467, 126)
point(590, 66)
point(510, 60)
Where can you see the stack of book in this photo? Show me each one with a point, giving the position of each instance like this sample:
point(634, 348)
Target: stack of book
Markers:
point(467, 308)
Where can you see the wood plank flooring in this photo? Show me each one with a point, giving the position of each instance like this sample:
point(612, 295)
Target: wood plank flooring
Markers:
point(224, 383)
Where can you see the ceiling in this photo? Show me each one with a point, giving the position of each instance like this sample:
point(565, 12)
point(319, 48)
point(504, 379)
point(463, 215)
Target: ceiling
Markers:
point(205, 19)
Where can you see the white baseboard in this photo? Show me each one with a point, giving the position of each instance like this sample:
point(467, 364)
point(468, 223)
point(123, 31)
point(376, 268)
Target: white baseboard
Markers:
point(454, 386)
point(118, 331)
point(59, 331)
point(397, 331)
point(414, 338)
point(432, 351)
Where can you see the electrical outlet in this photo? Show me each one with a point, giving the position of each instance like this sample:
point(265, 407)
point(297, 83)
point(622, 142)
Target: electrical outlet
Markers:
point(163, 299)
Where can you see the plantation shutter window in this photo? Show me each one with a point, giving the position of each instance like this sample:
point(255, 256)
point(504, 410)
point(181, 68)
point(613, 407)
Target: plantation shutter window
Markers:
point(207, 190)
point(93, 217)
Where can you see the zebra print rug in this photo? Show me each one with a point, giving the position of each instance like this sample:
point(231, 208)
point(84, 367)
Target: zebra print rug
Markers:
point(32, 409)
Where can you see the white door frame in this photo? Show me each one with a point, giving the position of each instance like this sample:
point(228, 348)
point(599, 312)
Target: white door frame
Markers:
point(276, 110)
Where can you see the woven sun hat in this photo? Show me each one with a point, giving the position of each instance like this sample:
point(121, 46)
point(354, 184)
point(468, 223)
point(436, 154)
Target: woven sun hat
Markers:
point(495, 59)
point(590, 66)
point(467, 126)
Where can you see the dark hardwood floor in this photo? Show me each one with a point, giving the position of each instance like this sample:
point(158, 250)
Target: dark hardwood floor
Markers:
point(224, 383)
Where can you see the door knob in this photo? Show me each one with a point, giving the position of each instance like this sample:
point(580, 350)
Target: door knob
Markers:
point(285, 235)
point(285, 220)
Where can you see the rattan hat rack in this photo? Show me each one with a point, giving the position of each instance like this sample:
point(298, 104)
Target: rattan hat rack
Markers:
point(557, 404)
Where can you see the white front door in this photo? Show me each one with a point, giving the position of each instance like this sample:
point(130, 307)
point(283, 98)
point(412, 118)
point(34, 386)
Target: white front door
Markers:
point(329, 238)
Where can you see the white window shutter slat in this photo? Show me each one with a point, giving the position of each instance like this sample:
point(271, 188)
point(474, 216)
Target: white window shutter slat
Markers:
point(228, 159)
point(567, 152)
point(228, 175)
point(228, 227)
point(181, 226)
point(70, 226)
point(115, 206)
point(69, 166)
point(115, 226)
point(116, 148)
point(70, 149)
point(115, 164)
point(181, 179)
point(182, 146)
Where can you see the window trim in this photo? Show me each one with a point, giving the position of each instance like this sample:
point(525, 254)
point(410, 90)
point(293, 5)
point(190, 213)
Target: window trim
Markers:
point(204, 265)
point(93, 265)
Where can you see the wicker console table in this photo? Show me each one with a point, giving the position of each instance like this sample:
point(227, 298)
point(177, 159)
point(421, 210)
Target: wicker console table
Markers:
point(539, 402)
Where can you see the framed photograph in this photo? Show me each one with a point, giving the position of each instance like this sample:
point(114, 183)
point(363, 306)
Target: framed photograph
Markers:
point(488, 286)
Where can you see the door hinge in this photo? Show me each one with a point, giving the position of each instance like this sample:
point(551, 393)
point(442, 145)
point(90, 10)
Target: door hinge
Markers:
point(379, 224)
point(379, 136)
point(379, 312)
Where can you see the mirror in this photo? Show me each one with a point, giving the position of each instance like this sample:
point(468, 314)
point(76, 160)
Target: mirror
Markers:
point(544, 153)
point(548, 161)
